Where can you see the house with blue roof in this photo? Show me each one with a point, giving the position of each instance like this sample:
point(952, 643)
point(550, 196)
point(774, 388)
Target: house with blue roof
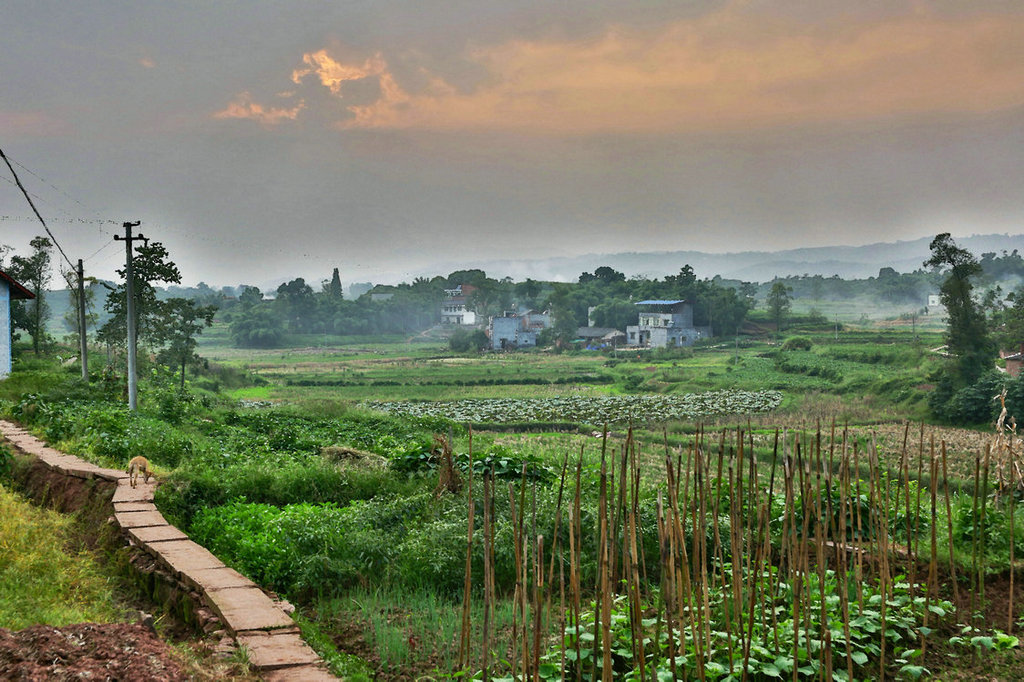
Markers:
point(10, 289)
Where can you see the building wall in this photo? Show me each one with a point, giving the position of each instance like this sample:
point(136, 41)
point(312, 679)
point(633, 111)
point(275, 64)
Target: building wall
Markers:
point(503, 332)
point(5, 329)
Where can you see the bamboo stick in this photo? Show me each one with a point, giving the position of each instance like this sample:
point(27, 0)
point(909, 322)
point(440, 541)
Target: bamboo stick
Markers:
point(464, 638)
point(488, 576)
point(949, 526)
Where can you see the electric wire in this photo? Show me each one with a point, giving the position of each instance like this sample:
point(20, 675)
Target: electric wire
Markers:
point(70, 218)
point(34, 210)
point(97, 251)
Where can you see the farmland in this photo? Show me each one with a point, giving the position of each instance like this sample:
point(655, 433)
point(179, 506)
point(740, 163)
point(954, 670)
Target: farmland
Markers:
point(395, 491)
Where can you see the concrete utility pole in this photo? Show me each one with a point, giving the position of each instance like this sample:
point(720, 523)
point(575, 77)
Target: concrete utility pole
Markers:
point(133, 388)
point(83, 346)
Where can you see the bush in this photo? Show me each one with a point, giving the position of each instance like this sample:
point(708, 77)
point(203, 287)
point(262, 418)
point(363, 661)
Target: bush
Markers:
point(797, 343)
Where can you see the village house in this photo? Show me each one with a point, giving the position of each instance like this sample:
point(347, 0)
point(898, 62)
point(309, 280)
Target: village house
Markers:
point(453, 308)
point(601, 337)
point(9, 290)
point(665, 324)
point(517, 330)
point(1014, 361)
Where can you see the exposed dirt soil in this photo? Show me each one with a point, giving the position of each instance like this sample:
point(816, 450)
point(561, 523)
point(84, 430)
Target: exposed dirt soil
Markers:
point(87, 651)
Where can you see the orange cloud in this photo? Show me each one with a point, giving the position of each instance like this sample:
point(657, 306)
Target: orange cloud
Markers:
point(333, 73)
point(728, 70)
point(244, 107)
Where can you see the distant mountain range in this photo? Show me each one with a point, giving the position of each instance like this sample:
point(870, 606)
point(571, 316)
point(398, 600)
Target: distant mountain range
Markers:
point(849, 262)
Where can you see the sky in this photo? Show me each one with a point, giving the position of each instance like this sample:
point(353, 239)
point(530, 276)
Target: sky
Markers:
point(265, 140)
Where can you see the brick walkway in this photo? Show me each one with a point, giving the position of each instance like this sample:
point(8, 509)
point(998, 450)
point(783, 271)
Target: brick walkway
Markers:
point(254, 620)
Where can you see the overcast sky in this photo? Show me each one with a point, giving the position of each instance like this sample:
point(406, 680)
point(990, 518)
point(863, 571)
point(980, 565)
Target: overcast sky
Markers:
point(266, 140)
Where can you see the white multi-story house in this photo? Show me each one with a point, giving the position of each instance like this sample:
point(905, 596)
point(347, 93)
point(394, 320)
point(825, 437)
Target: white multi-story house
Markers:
point(664, 324)
point(454, 310)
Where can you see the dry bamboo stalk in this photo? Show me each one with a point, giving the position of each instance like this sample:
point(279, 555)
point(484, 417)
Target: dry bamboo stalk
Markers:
point(802, 554)
point(488, 577)
point(827, 673)
point(859, 571)
point(699, 572)
point(538, 600)
point(906, 513)
point(762, 515)
point(605, 596)
point(555, 534)
point(883, 539)
point(949, 526)
point(635, 459)
point(574, 564)
point(1013, 524)
point(705, 595)
point(720, 552)
point(638, 608)
point(736, 580)
point(619, 496)
point(561, 619)
point(974, 533)
point(933, 579)
point(983, 533)
point(790, 542)
point(820, 535)
point(464, 639)
point(667, 579)
point(517, 548)
point(677, 540)
point(920, 482)
point(842, 568)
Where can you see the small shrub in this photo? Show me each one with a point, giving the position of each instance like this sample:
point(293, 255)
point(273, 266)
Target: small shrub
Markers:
point(797, 343)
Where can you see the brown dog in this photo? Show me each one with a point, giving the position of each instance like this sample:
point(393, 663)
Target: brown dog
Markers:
point(138, 465)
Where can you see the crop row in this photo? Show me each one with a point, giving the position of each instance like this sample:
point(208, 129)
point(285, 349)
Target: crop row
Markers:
point(590, 409)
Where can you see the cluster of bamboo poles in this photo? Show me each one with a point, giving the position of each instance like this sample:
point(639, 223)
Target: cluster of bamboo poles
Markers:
point(739, 542)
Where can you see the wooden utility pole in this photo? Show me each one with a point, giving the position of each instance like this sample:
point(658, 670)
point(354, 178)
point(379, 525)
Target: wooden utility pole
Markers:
point(133, 388)
point(83, 345)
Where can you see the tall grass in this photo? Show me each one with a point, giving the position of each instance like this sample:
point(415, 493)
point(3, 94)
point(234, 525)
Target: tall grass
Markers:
point(45, 578)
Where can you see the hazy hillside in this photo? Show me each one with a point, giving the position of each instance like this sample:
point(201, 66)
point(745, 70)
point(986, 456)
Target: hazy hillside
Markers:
point(849, 262)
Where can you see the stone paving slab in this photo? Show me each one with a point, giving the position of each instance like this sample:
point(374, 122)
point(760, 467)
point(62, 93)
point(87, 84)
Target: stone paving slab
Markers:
point(213, 579)
point(276, 650)
point(82, 470)
point(62, 462)
point(111, 474)
point(184, 556)
point(139, 519)
point(302, 673)
point(126, 493)
point(121, 507)
point(148, 534)
point(245, 609)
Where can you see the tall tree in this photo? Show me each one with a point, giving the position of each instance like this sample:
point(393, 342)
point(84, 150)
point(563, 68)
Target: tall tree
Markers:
point(333, 288)
point(33, 271)
point(779, 302)
point(151, 265)
point(967, 336)
point(180, 321)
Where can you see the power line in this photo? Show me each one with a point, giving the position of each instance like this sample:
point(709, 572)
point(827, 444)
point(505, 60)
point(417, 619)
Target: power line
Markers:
point(97, 251)
point(70, 219)
point(34, 210)
point(59, 190)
